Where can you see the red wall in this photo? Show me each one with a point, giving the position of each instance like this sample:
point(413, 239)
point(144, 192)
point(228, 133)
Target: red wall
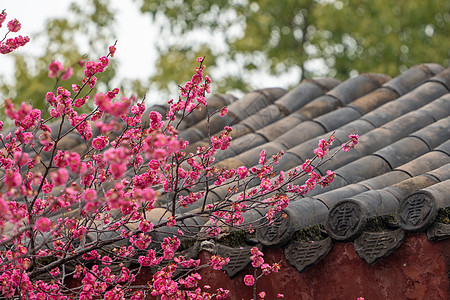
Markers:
point(418, 269)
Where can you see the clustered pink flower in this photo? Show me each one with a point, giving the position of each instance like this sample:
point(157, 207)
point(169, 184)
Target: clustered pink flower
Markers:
point(328, 178)
point(47, 188)
point(112, 50)
point(90, 81)
point(145, 226)
point(67, 73)
point(257, 257)
point(223, 112)
point(80, 101)
point(155, 120)
point(192, 93)
point(164, 285)
point(312, 181)
point(12, 179)
point(13, 279)
point(171, 222)
point(192, 197)
point(61, 159)
point(352, 143)
point(43, 224)
point(234, 215)
point(105, 104)
point(213, 231)
point(63, 105)
point(242, 172)
point(24, 118)
point(55, 68)
point(96, 67)
point(55, 272)
point(2, 17)
point(218, 262)
point(187, 263)
point(12, 43)
point(324, 146)
point(190, 281)
point(14, 25)
point(79, 232)
point(4, 209)
point(21, 158)
point(266, 269)
point(150, 259)
point(170, 245)
point(90, 195)
point(306, 166)
point(100, 142)
point(60, 177)
point(141, 240)
point(222, 141)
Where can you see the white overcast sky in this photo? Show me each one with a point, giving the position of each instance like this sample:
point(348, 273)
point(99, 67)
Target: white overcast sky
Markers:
point(136, 53)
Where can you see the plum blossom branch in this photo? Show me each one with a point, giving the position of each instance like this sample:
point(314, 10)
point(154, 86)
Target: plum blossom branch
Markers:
point(89, 215)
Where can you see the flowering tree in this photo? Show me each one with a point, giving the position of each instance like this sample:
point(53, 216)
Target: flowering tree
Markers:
point(9, 45)
point(85, 214)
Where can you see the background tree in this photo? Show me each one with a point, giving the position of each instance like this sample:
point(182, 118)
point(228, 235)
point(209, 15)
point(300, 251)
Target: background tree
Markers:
point(304, 38)
point(291, 40)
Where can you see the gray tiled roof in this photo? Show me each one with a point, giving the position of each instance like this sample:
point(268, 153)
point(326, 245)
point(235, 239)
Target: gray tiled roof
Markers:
point(397, 175)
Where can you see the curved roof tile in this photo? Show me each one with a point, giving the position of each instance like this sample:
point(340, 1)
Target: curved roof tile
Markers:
point(419, 209)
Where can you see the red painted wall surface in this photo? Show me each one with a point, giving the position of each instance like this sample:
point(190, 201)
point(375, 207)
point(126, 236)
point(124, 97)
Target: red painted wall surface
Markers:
point(418, 269)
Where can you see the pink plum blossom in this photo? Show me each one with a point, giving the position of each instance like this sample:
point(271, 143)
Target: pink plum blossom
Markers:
point(12, 178)
point(43, 224)
point(55, 68)
point(100, 142)
point(249, 280)
point(14, 25)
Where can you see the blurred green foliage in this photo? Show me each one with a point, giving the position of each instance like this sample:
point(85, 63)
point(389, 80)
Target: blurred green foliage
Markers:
point(344, 37)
